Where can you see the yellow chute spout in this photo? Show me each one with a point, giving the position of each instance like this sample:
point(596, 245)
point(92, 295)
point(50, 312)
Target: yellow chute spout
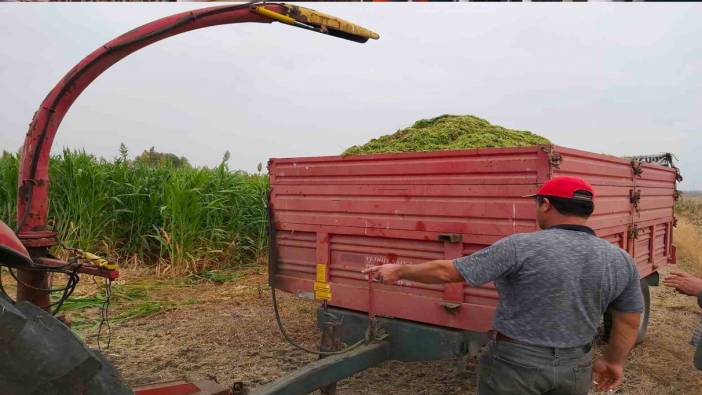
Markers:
point(310, 19)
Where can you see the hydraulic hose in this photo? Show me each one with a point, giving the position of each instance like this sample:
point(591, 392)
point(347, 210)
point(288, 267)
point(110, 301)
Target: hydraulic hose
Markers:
point(307, 350)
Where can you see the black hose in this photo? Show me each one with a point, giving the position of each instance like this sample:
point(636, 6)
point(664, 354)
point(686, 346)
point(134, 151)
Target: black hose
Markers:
point(73, 279)
point(66, 291)
point(299, 347)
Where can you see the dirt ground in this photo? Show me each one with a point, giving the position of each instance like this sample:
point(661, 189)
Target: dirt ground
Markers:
point(227, 332)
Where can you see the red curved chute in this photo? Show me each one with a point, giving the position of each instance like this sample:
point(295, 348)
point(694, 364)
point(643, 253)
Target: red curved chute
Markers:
point(33, 181)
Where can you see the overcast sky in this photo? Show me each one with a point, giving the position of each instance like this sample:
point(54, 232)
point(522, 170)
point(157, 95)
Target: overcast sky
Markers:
point(605, 77)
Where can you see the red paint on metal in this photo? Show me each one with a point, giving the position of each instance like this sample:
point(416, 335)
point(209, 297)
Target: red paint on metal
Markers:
point(453, 292)
point(12, 251)
point(172, 388)
point(33, 180)
point(382, 208)
point(91, 270)
point(182, 387)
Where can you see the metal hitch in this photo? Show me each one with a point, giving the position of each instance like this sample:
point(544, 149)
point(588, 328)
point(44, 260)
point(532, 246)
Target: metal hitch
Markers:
point(327, 371)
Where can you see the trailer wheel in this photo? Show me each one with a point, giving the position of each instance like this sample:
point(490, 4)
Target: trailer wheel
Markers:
point(645, 316)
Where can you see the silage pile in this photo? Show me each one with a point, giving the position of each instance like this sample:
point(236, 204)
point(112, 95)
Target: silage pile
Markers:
point(448, 132)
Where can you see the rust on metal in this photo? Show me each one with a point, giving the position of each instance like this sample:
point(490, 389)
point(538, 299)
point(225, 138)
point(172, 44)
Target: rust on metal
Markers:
point(330, 341)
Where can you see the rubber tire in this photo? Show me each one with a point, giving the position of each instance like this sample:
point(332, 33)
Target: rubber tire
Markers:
point(645, 316)
point(107, 380)
point(39, 355)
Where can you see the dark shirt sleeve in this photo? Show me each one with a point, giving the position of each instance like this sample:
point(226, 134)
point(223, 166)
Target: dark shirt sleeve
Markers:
point(699, 299)
point(631, 299)
point(488, 264)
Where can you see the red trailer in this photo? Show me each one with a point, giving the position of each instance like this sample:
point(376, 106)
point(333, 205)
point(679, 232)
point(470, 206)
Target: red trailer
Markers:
point(332, 216)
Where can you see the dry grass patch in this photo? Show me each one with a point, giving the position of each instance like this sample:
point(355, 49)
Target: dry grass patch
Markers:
point(688, 241)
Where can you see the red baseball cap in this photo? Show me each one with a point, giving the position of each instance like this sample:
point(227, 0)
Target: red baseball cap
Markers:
point(567, 188)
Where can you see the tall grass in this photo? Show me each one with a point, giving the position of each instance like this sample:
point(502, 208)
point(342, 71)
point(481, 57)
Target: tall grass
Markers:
point(182, 219)
point(688, 234)
point(690, 207)
point(9, 166)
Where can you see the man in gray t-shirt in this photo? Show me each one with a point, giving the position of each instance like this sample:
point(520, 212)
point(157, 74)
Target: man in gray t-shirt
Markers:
point(554, 287)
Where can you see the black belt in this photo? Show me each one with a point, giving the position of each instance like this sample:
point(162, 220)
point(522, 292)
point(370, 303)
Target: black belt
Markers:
point(497, 336)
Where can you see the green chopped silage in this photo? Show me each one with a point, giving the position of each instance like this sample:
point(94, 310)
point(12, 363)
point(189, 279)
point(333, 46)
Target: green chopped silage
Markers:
point(448, 132)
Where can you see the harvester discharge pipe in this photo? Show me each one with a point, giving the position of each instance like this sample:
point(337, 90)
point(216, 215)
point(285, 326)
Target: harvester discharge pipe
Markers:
point(33, 180)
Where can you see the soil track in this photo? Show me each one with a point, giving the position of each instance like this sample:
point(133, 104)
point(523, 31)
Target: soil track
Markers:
point(227, 333)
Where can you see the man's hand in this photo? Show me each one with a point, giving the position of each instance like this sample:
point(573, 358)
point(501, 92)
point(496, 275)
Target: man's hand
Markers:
point(685, 283)
point(607, 376)
point(386, 274)
point(608, 372)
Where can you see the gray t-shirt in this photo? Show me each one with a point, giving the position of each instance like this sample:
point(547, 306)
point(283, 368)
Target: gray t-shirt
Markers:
point(555, 284)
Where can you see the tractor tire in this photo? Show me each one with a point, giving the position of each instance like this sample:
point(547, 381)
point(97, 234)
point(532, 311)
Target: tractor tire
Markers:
point(41, 355)
point(645, 316)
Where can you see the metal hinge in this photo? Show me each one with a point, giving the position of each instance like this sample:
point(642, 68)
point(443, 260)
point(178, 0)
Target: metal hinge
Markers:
point(554, 158)
point(633, 232)
point(636, 166)
point(675, 222)
point(635, 198)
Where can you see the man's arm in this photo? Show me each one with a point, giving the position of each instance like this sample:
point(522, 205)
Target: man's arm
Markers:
point(432, 272)
point(609, 371)
point(478, 268)
point(625, 328)
point(626, 309)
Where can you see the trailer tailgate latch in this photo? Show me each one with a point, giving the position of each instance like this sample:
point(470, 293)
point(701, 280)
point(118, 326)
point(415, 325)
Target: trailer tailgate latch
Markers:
point(450, 237)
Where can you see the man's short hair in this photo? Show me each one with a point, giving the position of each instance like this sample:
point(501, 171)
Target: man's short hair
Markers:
point(576, 207)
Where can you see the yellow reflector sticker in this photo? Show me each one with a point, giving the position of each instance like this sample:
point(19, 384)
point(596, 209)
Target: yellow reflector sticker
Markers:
point(321, 273)
point(322, 291)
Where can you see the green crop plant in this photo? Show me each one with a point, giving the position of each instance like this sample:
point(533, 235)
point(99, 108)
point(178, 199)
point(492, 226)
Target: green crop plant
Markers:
point(9, 166)
point(184, 219)
point(448, 132)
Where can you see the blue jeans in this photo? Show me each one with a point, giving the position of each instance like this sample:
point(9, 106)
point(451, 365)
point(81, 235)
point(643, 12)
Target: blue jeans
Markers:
point(508, 368)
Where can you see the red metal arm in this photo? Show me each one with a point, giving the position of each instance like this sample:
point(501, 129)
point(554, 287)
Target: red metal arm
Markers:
point(33, 182)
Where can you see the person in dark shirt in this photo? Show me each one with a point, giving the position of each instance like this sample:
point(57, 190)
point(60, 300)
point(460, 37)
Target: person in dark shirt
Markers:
point(687, 284)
